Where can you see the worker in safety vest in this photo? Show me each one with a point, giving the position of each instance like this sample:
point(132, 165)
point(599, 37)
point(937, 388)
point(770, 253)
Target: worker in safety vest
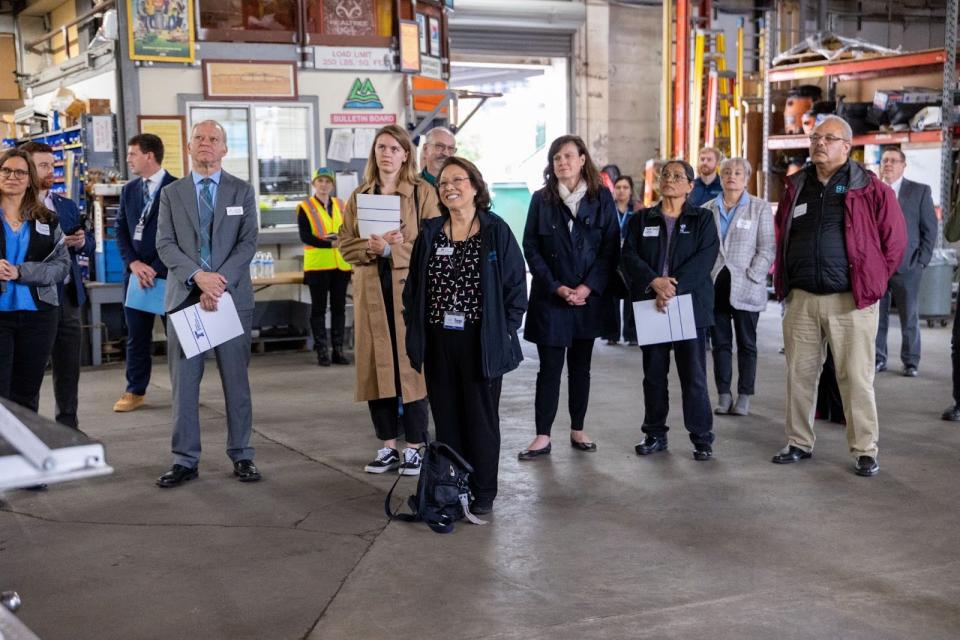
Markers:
point(324, 269)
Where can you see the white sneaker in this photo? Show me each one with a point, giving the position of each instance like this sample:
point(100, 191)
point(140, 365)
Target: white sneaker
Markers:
point(387, 460)
point(411, 462)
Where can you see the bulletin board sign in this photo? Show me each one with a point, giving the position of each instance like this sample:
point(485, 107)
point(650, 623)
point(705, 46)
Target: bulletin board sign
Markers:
point(161, 30)
point(172, 130)
point(409, 46)
point(250, 80)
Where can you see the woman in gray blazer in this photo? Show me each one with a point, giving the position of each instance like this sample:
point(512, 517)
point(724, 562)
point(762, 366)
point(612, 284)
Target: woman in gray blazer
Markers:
point(747, 248)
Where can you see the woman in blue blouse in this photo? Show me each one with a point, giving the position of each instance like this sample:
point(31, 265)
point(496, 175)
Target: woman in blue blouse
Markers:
point(33, 261)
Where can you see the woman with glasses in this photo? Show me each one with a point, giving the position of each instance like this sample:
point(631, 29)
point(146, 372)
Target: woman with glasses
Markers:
point(33, 261)
point(669, 252)
point(747, 249)
point(572, 244)
point(395, 394)
point(463, 302)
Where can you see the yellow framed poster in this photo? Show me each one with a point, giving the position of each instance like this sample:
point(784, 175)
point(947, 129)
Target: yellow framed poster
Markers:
point(161, 30)
point(172, 130)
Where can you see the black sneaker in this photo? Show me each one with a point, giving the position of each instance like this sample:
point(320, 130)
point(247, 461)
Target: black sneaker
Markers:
point(651, 444)
point(866, 466)
point(702, 451)
point(411, 462)
point(387, 460)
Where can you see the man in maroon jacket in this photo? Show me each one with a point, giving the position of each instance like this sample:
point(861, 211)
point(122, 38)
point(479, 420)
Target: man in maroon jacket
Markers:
point(840, 236)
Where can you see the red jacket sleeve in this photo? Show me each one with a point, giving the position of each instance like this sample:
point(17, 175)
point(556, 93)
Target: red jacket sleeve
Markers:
point(891, 227)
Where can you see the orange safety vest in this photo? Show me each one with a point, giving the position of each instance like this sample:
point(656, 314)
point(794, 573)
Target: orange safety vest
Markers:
point(321, 224)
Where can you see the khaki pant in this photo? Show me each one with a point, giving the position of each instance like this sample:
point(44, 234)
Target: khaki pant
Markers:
point(810, 323)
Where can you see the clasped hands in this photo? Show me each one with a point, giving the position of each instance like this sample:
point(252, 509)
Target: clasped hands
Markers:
point(666, 289)
point(212, 285)
point(7, 271)
point(377, 244)
point(575, 297)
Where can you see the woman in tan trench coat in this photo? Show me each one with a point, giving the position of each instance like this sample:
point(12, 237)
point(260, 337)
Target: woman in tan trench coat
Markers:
point(394, 392)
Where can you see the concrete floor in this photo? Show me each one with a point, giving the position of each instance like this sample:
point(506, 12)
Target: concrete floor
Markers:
point(603, 545)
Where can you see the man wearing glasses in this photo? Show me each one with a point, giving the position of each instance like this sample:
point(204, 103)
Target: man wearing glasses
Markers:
point(921, 220)
point(840, 236)
point(438, 145)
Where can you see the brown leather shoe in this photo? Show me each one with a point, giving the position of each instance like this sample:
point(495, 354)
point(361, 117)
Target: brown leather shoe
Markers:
point(128, 402)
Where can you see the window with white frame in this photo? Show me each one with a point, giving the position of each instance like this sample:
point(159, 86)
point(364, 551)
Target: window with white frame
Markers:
point(271, 145)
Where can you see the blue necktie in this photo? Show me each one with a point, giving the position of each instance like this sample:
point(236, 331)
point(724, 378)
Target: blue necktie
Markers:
point(147, 201)
point(206, 223)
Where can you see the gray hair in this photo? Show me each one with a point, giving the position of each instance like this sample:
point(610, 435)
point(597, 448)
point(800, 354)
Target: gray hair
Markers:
point(743, 163)
point(214, 123)
point(847, 131)
point(430, 134)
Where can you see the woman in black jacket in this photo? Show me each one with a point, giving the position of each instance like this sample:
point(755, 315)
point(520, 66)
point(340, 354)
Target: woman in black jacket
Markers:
point(670, 250)
point(33, 261)
point(572, 243)
point(463, 302)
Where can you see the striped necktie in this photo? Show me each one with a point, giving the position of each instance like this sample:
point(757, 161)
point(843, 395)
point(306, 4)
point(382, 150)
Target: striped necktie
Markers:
point(206, 222)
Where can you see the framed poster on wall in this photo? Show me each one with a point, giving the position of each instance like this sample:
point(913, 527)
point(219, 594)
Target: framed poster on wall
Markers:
point(349, 18)
point(424, 36)
point(409, 46)
point(161, 30)
point(434, 37)
point(172, 130)
point(230, 79)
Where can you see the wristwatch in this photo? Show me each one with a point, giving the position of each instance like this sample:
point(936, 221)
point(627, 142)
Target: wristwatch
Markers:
point(18, 274)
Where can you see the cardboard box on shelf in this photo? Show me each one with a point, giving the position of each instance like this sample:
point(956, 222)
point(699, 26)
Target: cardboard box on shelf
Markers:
point(98, 107)
point(74, 112)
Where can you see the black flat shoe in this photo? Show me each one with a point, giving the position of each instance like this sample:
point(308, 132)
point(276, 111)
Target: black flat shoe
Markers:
point(530, 454)
point(952, 413)
point(866, 466)
point(177, 475)
point(589, 447)
point(651, 444)
point(481, 507)
point(246, 471)
point(791, 454)
point(702, 452)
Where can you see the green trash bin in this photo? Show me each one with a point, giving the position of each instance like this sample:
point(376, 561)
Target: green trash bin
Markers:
point(511, 200)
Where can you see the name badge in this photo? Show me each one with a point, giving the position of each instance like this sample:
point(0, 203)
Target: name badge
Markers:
point(744, 224)
point(800, 210)
point(454, 320)
point(138, 232)
point(234, 211)
point(651, 232)
point(444, 251)
point(43, 229)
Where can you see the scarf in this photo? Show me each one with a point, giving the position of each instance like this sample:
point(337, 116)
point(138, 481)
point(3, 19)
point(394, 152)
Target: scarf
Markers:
point(572, 198)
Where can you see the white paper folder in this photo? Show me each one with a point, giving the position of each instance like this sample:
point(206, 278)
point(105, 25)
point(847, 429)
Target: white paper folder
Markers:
point(199, 330)
point(377, 214)
point(654, 327)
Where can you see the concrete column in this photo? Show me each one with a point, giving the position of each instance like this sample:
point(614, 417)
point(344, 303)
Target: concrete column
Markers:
point(591, 81)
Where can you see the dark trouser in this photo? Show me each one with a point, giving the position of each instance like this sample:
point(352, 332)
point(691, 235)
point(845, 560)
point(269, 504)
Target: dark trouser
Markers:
point(26, 339)
point(691, 357)
point(465, 405)
point(333, 282)
point(829, 401)
point(139, 348)
point(578, 357)
point(904, 289)
point(65, 362)
point(955, 355)
point(611, 319)
point(721, 334)
point(388, 413)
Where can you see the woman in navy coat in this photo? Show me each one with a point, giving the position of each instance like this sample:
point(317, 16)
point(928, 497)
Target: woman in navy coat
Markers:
point(572, 246)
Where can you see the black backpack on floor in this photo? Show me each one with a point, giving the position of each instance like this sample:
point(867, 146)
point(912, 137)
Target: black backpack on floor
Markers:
point(443, 490)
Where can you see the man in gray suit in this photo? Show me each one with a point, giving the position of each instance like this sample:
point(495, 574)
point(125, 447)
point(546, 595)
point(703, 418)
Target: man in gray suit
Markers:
point(917, 206)
point(207, 235)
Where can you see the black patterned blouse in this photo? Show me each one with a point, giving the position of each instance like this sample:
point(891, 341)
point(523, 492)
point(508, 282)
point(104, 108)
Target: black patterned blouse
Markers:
point(453, 281)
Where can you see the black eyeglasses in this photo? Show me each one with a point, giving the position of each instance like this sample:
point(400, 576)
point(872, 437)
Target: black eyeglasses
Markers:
point(19, 174)
point(674, 177)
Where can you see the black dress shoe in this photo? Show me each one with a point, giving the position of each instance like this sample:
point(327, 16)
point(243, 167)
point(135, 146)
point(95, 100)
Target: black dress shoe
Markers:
point(791, 454)
point(339, 358)
point(702, 452)
point(651, 444)
point(177, 475)
point(246, 471)
point(530, 454)
point(481, 507)
point(910, 371)
point(881, 366)
point(866, 466)
point(952, 413)
point(589, 447)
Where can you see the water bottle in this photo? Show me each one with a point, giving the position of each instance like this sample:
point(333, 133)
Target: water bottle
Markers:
point(257, 265)
point(269, 264)
point(253, 267)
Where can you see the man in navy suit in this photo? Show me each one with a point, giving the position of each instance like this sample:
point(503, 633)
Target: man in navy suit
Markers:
point(136, 239)
point(65, 356)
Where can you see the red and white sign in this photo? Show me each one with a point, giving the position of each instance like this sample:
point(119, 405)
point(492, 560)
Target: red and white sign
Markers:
point(363, 118)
